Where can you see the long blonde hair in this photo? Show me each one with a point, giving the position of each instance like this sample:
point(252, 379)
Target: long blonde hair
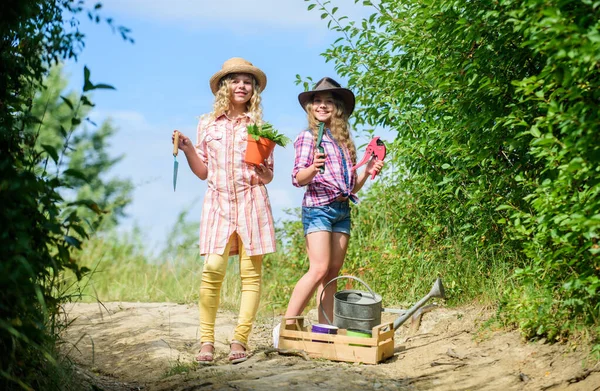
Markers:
point(339, 126)
point(223, 100)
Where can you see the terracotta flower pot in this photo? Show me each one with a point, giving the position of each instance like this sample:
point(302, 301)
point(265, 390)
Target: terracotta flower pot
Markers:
point(258, 150)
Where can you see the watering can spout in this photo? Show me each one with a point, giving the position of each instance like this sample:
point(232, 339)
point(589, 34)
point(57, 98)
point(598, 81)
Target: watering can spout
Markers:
point(436, 291)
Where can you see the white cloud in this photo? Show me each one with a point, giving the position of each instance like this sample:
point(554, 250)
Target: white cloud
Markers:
point(238, 14)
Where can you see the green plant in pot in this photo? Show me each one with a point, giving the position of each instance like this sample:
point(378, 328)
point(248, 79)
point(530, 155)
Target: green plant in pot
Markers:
point(261, 142)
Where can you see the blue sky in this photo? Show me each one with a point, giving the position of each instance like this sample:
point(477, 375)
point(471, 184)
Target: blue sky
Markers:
point(161, 84)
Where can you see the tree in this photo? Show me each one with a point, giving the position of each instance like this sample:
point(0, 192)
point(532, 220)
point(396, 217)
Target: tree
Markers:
point(495, 105)
point(36, 237)
point(84, 152)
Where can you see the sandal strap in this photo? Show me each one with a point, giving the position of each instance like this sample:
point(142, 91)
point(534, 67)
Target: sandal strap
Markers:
point(207, 343)
point(239, 343)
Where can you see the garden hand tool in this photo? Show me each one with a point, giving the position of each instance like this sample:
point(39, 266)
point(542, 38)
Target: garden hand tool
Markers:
point(375, 148)
point(320, 149)
point(175, 162)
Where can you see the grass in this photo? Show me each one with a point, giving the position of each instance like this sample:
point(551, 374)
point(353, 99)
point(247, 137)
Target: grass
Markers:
point(179, 367)
point(122, 271)
point(381, 252)
point(401, 270)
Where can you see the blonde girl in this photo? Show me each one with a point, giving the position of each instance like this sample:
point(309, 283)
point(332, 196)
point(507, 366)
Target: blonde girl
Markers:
point(236, 214)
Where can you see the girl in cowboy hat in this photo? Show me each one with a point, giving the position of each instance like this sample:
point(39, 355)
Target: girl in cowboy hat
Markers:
point(236, 215)
point(330, 186)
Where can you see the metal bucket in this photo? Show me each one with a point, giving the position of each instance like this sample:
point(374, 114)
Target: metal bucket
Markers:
point(354, 309)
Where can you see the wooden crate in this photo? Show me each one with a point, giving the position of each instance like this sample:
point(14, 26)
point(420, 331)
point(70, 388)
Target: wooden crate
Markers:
point(338, 347)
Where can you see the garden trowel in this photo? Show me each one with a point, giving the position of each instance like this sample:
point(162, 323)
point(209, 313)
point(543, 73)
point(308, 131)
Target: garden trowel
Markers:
point(175, 162)
point(319, 146)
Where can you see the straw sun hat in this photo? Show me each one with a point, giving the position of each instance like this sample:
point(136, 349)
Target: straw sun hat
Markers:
point(328, 84)
point(238, 65)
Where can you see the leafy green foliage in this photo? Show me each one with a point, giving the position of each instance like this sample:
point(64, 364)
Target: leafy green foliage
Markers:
point(38, 234)
point(84, 160)
point(496, 155)
point(266, 130)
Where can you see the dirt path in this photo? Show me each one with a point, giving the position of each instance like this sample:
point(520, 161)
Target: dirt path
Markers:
point(150, 346)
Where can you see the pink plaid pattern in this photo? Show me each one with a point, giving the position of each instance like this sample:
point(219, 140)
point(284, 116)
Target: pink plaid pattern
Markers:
point(236, 199)
point(325, 187)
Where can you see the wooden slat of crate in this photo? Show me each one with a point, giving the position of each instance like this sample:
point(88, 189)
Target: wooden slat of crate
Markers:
point(338, 347)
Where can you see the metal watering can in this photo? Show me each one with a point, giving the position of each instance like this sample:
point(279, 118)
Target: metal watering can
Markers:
point(359, 310)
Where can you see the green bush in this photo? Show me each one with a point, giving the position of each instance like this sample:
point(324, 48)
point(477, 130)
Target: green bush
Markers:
point(495, 161)
point(39, 229)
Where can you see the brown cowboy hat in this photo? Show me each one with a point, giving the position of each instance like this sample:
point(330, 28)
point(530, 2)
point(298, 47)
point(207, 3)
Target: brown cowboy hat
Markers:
point(328, 84)
point(238, 65)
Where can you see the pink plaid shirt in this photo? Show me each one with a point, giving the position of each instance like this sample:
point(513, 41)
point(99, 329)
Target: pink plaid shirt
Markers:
point(236, 199)
point(325, 187)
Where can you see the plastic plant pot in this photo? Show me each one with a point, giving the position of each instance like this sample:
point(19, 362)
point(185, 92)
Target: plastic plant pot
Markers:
point(324, 329)
point(358, 333)
point(258, 151)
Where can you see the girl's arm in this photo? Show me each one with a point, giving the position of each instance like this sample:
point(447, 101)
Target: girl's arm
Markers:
point(196, 164)
point(306, 161)
point(265, 170)
point(264, 173)
point(374, 166)
point(306, 175)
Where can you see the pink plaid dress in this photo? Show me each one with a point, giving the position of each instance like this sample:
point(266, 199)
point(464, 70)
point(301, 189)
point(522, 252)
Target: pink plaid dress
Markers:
point(236, 199)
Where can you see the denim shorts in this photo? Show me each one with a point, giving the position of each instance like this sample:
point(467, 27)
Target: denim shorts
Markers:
point(334, 217)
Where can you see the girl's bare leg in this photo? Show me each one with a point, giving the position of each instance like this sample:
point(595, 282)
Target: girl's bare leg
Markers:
point(319, 254)
point(339, 246)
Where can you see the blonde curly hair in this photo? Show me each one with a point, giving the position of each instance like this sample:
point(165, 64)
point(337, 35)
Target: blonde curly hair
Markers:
point(339, 126)
point(223, 99)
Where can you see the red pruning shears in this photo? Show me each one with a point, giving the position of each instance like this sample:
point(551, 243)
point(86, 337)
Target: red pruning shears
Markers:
point(375, 148)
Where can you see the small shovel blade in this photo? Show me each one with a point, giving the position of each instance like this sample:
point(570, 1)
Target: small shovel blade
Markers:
point(175, 166)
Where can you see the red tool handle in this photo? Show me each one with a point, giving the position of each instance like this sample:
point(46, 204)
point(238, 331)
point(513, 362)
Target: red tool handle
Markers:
point(375, 148)
point(373, 175)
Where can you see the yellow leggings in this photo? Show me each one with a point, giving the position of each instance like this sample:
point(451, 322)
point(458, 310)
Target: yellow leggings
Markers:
point(213, 274)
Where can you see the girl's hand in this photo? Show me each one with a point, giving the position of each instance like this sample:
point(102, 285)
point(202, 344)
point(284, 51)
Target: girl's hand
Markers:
point(319, 161)
point(184, 141)
point(264, 173)
point(374, 166)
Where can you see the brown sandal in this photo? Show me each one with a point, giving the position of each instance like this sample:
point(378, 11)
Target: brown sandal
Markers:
point(206, 357)
point(238, 356)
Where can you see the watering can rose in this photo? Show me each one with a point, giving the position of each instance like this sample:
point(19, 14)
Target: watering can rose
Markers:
point(261, 142)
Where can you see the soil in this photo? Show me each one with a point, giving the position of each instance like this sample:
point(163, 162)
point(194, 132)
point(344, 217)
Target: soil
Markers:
point(151, 346)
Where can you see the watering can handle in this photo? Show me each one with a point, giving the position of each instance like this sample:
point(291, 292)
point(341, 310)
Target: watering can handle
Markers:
point(337, 278)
